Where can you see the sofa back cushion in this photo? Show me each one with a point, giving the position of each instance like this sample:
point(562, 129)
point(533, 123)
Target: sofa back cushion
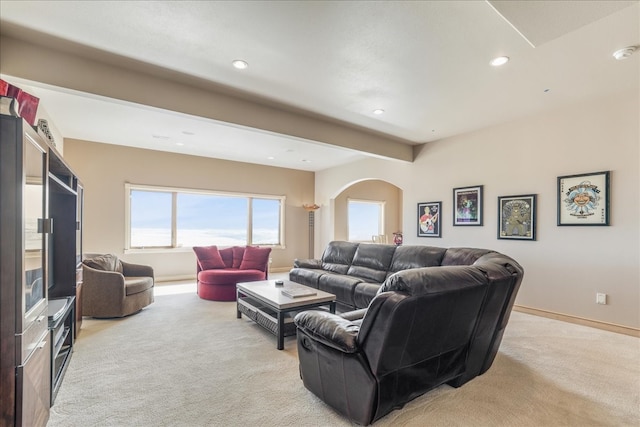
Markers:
point(371, 262)
point(337, 257)
point(417, 337)
point(227, 256)
point(406, 257)
point(463, 256)
point(238, 254)
point(208, 257)
point(255, 258)
point(107, 262)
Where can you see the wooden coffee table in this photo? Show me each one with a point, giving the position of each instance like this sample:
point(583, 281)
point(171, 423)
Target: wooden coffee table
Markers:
point(264, 303)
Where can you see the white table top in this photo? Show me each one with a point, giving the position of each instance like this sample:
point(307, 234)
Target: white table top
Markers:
point(267, 291)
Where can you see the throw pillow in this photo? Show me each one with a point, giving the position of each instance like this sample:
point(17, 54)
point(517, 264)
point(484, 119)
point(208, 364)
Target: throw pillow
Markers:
point(238, 252)
point(208, 257)
point(227, 256)
point(108, 262)
point(255, 258)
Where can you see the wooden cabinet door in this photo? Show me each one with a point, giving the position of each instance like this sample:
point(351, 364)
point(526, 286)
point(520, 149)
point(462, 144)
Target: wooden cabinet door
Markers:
point(34, 387)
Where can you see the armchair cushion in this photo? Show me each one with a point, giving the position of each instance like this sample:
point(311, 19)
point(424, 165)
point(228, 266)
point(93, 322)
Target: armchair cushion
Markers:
point(255, 258)
point(107, 262)
point(330, 329)
point(209, 257)
point(135, 285)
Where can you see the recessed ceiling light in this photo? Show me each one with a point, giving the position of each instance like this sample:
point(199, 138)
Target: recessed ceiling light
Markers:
point(270, 157)
point(179, 144)
point(306, 161)
point(160, 136)
point(500, 60)
point(547, 90)
point(378, 111)
point(624, 53)
point(240, 64)
point(186, 132)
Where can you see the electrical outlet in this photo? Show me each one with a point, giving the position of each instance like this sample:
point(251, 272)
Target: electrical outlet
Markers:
point(601, 298)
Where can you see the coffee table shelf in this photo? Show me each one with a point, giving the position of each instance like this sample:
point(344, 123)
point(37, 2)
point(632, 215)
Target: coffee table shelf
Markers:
point(264, 303)
point(266, 317)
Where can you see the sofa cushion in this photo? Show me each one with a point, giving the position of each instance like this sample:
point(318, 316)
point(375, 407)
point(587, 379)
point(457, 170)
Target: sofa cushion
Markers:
point(407, 257)
point(337, 257)
point(463, 256)
point(371, 262)
point(135, 285)
point(255, 258)
point(306, 276)
point(238, 252)
point(227, 256)
point(107, 262)
point(340, 285)
point(364, 293)
point(208, 257)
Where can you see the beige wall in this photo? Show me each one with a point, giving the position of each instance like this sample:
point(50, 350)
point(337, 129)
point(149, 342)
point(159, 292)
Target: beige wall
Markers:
point(566, 266)
point(375, 190)
point(104, 169)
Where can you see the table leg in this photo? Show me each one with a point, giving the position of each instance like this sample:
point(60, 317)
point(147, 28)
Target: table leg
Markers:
point(280, 330)
point(332, 307)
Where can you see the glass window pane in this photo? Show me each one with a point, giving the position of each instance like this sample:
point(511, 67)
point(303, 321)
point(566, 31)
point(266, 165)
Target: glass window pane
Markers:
point(150, 219)
point(204, 220)
point(266, 222)
point(364, 220)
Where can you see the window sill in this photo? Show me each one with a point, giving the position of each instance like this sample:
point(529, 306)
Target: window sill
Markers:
point(183, 249)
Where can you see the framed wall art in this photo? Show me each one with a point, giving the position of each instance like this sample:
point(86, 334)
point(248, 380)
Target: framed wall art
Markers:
point(517, 217)
point(583, 199)
point(467, 205)
point(429, 219)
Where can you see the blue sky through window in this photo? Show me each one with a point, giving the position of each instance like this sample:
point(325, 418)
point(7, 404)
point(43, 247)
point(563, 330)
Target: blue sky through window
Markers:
point(202, 219)
point(364, 220)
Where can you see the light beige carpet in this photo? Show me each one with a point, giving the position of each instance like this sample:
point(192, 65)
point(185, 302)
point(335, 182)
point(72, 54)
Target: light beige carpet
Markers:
point(184, 361)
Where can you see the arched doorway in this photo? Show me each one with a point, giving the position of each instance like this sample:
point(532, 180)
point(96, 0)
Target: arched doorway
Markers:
point(374, 190)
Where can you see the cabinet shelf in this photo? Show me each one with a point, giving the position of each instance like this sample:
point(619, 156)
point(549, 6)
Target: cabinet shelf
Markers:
point(61, 329)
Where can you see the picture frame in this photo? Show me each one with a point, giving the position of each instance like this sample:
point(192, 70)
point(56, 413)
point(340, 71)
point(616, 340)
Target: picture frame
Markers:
point(583, 199)
point(429, 219)
point(467, 205)
point(517, 217)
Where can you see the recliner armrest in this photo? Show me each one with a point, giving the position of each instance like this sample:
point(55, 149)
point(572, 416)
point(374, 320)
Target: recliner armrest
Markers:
point(329, 329)
point(354, 315)
point(307, 263)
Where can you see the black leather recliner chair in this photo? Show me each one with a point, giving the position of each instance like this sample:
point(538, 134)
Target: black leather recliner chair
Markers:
point(424, 328)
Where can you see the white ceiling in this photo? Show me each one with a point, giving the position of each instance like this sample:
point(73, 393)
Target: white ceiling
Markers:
point(426, 63)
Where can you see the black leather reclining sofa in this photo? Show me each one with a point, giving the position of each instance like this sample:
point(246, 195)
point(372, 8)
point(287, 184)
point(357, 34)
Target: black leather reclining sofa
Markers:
point(355, 271)
point(438, 317)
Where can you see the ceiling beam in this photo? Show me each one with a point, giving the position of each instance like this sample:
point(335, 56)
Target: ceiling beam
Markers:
point(69, 65)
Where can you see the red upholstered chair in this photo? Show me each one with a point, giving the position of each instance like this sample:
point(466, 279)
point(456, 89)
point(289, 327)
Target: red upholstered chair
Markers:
point(218, 271)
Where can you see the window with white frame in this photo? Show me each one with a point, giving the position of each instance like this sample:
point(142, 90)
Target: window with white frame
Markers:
point(365, 219)
point(173, 218)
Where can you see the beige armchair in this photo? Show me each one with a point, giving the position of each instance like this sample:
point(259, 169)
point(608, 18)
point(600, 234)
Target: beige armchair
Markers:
point(114, 288)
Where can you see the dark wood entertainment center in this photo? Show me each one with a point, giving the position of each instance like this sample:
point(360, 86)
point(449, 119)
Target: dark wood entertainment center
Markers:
point(40, 248)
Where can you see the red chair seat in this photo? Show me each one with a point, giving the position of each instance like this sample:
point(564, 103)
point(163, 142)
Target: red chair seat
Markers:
point(220, 284)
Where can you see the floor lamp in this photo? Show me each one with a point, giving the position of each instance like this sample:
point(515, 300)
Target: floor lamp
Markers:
point(311, 209)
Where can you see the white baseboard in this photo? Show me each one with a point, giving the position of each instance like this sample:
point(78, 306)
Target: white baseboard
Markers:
point(180, 278)
point(611, 327)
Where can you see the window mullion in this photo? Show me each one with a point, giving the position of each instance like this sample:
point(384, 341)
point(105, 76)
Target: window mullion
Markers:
point(174, 219)
point(250, 221)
